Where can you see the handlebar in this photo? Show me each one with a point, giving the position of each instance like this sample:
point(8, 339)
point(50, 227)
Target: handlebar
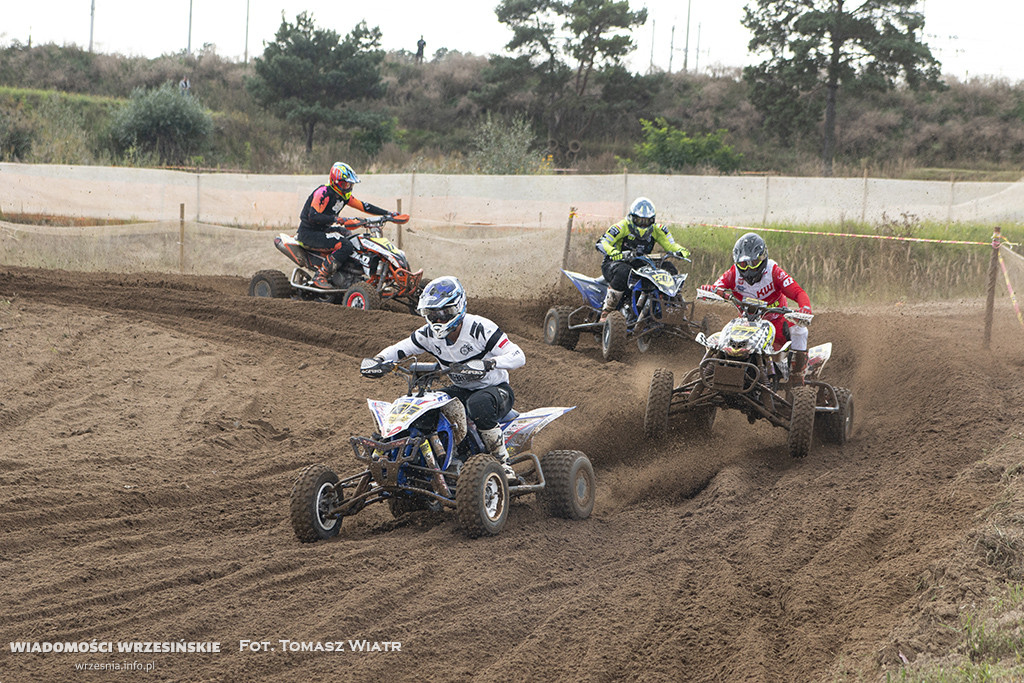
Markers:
point(752, 307)
point(373, 221)
point(420, 375)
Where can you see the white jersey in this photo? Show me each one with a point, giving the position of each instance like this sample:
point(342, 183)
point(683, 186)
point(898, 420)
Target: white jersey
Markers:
point(479, 339)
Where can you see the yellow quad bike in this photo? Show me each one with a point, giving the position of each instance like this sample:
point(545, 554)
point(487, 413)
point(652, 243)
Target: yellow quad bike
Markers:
point(741, 371)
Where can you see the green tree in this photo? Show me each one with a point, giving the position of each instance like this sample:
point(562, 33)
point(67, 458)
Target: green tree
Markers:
point(162, 121)
point(671, 149)
point(309, 76)
point(561, 44)
point(814, 46)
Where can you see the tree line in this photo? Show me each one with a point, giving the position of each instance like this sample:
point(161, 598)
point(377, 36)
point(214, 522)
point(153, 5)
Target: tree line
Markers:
point(839, 88)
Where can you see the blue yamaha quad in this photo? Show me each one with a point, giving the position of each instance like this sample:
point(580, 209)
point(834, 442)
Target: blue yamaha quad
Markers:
point(652, 310)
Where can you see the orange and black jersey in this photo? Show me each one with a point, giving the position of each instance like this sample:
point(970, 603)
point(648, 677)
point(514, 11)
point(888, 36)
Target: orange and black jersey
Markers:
point(322, 207)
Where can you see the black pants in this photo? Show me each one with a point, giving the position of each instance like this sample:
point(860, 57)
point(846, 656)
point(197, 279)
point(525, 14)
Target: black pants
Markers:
point(616, 273)
point(317, 239)
point(485, 406)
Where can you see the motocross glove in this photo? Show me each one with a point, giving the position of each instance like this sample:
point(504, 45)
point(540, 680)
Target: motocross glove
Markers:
point(617, 256)
point(489, 364)
point(682, 252)
point(805, 309)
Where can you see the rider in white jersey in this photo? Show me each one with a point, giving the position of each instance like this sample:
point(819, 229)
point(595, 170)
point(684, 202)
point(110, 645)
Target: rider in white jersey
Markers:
point(453, 336)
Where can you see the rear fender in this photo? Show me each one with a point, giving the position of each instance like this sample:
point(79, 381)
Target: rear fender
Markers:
point(293, 249)
point(593, 291)
point(520, 431)
point(816, 358)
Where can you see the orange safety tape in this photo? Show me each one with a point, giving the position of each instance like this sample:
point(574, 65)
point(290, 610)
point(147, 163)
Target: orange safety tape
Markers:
point(849, 234)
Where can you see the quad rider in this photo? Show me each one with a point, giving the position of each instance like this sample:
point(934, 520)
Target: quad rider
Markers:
point(453, 336)
point(755, 275)
point(317, 221)
point(637, 232)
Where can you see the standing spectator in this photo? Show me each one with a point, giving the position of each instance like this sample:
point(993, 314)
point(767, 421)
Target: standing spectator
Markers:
point(420, 44)
point(185, 85)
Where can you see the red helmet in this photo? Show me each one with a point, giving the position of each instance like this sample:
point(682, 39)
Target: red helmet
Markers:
point(342, 179)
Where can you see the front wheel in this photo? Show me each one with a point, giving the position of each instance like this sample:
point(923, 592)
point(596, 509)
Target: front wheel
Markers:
point(613, 336)
point(362, 295)
point(659, 400)
point(569, 488)
point(272, 284)
point(801, 422)
point(481, 496)
point(313, 495)
point(556, 328)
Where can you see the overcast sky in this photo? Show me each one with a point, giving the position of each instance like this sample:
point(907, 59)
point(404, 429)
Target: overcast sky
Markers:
point(980, 37)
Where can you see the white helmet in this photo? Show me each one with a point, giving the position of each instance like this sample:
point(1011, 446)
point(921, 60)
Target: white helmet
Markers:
point(443, 305)
point(641, 212)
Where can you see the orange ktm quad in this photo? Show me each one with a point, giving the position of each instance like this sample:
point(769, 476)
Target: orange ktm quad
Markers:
point(377, 270)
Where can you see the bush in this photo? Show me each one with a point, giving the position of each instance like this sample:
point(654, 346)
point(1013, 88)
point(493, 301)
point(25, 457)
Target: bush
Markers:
point(502, 147)
point(163, 122)
point(671, 149)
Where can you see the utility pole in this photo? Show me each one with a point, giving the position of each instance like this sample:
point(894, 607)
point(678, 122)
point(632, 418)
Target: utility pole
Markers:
point(92, 21)
point(686, 50)
point(188, 50)
point(696, 54)
point(650, 69)
point(246, 32)
point(671, 48)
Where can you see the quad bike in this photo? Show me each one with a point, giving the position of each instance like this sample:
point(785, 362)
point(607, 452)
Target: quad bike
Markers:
point(652, 309)
point(377, 270)
point(426, 455)
point(742, 371)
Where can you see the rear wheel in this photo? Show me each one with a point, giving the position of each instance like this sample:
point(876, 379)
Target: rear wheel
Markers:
point(613, 336)
point(569, 487)
point(837, 427)
point(659, 400)
point(272, 284)
point(481, 496)
point(801, 423)
point(362, 295)
point(556, 328)
point(313, 495)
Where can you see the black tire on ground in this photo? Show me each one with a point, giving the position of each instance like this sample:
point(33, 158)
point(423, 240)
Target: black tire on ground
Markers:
point(613, 336)
point(481, 497)
point(659, 400)
point(801, 423)
point(556, 328)
point(270, 283)
point(837, 427)
point(570, 487)
point(313, 494)
point(362, 295)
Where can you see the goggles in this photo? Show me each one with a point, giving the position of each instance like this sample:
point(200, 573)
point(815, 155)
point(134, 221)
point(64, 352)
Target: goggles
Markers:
point(750, 265)
point(440, 315)
point(643, 222)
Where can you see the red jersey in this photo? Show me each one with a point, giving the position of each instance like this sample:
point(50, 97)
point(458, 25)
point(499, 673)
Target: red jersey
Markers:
point(773, 287)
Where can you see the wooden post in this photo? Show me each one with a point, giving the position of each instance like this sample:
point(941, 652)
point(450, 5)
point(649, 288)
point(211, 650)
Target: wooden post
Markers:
point(993, 272)
point(181, 240)
point(398, 226)
point(568, 237)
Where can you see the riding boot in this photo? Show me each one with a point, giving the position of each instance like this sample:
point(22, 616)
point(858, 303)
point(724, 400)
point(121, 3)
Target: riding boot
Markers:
point(494, 440)
point(796, 370)
point(611, 302)
point(322, 279)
